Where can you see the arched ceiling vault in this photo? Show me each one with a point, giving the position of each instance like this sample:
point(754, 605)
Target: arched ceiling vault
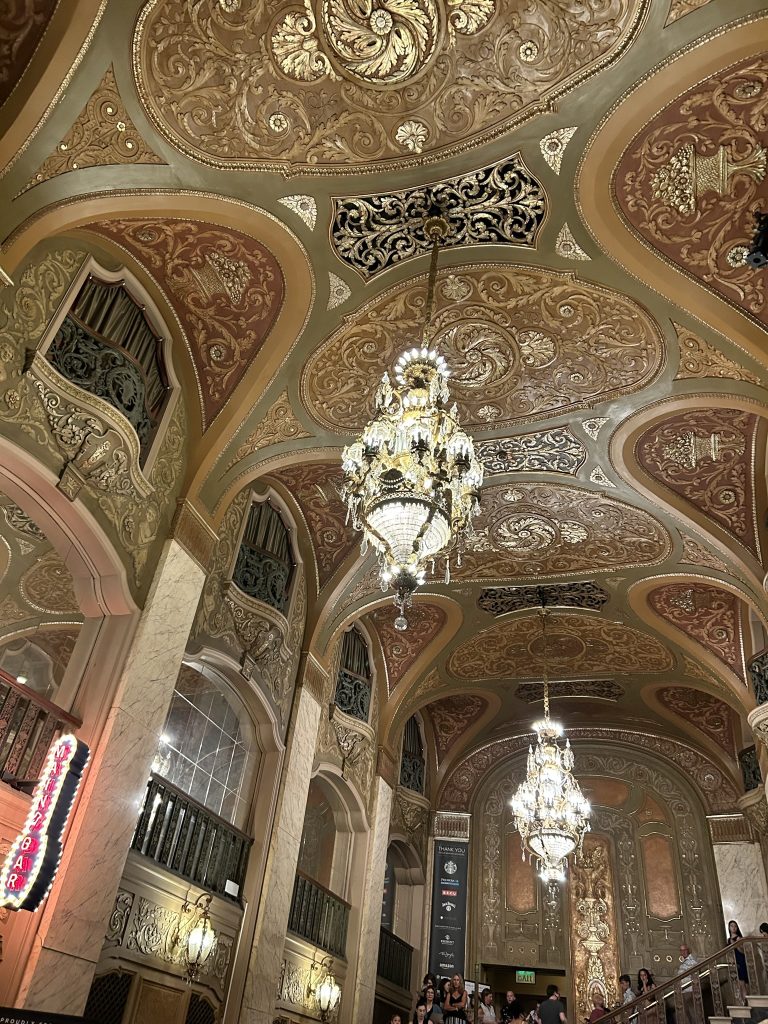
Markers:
point(617, 395)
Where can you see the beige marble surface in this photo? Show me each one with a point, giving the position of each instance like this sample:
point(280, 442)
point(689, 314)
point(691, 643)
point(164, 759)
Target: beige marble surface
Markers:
point(743, 889)
point(272, 921)
point(360, 1006)
point(75, 917)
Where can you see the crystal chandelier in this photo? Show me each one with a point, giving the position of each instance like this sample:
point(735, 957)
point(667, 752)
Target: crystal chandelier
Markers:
point(412, 478)
point(551, 813)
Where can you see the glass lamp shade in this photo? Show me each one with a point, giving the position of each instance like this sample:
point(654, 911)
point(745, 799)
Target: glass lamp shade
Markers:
point(200, 943)
point(328, 994)
point(399, 523)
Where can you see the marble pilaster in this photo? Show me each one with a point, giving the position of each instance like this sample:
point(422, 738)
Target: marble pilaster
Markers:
point(743, 888)
point(277, 892)
point(74, 920)
point(364, 979)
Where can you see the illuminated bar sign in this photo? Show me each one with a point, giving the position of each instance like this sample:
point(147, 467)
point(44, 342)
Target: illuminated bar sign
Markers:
point(31, 866)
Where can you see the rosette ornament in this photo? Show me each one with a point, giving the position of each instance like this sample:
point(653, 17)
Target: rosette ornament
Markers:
point(412, 479)
point(551, 812)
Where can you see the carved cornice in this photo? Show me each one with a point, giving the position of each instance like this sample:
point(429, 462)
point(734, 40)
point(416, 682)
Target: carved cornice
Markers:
point(194, 533)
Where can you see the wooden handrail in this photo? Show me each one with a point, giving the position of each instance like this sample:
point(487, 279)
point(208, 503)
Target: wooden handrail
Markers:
point(41, 702)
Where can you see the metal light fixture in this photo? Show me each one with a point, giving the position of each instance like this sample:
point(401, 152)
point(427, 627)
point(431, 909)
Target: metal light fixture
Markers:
point(327, 992)
point(412, 478)
point(201, 937)
point(551, 813)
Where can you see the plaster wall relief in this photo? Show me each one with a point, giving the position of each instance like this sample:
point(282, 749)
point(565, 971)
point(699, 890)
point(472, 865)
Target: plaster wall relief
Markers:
point(22, 26)
point(689, 183)
point(331, 85)
point(278, 425)
point(595, 960)
point(708, 458)
point(401, 649)
point(411, 818)
point(547, 529)
point(102, 134)
point(679, 8)
point(700, 359)
point(709, 615)
point(522, 343)
point(226, 290)
point(500, 600)
point(712, 716)
point(545, 451)
point(266, 643)
point(452, 716)
point(576, 645)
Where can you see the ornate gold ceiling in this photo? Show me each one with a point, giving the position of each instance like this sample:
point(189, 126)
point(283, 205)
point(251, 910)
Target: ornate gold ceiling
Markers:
point(264, 169)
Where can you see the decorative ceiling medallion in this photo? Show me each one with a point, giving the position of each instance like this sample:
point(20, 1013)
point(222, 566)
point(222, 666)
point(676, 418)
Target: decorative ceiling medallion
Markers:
point(706, 456)
point(548, 451)
point(567, 247)
point(597, 476)
point(577, 645)
point(316, 486)
point(452, 716)
point(712, 716)
point(528, 342)
point(596, 689)
point(700, 359)
point(338, 291)
point(277, 425)
point(594, 426)
point(707, 614)
point(501, 600)
point(225, 287)
point(330, 85)
point(304, 207)
point(401, 649)
point(552, 146)
point(691, 181)
point(502, 204)
point(545, 529)
point(103, 134)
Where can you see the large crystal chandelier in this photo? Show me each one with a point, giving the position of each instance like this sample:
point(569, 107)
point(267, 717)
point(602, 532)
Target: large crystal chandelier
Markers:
point(551, 813)
point(412, 478)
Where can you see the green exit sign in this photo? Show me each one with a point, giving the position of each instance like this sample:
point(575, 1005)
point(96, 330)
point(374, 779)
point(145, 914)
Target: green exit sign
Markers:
point(525, 977)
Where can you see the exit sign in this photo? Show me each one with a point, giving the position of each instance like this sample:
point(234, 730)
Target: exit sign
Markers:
point(525, 977)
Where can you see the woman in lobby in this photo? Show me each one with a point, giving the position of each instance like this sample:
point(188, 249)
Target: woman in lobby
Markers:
point(455, 1005)
point(487, 1012)
point(645, 982)
point(734, 934)
point(432, 1010)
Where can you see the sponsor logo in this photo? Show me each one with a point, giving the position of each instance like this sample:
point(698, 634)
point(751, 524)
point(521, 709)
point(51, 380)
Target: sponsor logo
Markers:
point(449, 892)
point(450, 867)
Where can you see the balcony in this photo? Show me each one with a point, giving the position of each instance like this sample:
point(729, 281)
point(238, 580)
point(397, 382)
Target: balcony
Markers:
point(319, 916)
point(28, 726)
point(183, 836)
point(395, 958)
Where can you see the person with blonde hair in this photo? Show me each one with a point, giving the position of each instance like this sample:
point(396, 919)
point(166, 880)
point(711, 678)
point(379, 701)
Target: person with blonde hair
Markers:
point(455, 1005)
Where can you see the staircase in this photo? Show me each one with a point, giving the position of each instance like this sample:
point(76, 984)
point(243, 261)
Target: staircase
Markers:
point(755, 1010)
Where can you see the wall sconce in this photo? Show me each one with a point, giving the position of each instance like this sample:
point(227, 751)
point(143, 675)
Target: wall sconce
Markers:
point(326, 991)
point(201, 937)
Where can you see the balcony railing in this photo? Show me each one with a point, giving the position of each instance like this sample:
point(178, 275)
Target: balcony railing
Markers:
point(703, 992)
point(319, 916)
point(758, 670)
point(186, 838)
point(394, 960)
point(750, 769)
point(28, 726)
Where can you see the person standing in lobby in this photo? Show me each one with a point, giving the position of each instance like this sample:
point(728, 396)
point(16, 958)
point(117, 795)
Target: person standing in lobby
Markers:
point(552, 1009)
point(509, 1007)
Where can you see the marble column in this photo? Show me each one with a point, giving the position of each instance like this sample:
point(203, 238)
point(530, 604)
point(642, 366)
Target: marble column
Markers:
point(59, 972)
point(743, 889)
point(363, 977)
point(258, 1006)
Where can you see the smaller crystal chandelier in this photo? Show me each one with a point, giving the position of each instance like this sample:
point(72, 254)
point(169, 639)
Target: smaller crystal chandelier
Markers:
point(412, 478)
point(551, 813)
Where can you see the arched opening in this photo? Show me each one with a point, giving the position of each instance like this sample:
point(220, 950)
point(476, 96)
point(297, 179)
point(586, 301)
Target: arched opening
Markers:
point(265, 564)
point(412, 760)
point(354, 680)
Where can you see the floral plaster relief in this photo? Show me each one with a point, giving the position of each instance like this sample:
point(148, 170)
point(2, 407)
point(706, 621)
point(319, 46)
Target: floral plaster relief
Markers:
point(708, 615)
point(712, 716)
point(401, 649)
point(452, 716)
point(225, 287)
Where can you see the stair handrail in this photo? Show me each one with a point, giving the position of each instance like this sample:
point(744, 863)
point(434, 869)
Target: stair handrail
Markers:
point(689, 979)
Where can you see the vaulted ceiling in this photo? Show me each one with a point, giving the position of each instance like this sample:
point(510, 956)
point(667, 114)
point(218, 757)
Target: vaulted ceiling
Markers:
point(264, 169)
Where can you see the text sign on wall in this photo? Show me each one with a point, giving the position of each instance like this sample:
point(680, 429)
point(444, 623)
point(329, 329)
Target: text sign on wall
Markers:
point(31, 865)
point(449, 908)
point(525, 977)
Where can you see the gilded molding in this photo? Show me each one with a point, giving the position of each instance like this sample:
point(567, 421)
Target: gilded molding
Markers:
point(194, 533)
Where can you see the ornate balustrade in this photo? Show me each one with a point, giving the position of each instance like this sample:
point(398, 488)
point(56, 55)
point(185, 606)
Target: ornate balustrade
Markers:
point(395, 957)
point(703, 992)
point(750, 769)
point(758, 671)
point(28, 726)
point(186, 838)
point(412, 772)
point(319, 916)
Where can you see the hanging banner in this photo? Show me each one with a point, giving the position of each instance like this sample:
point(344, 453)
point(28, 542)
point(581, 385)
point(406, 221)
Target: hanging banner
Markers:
point(33, 861)
point(449, 908)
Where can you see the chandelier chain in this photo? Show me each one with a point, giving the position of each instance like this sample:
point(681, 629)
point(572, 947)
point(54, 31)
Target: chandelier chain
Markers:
point(546, 660)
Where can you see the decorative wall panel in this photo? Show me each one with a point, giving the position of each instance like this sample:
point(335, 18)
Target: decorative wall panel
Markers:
point(576, 644)
point(708, 615)
point(596, 689)
point(452, 716)
point(500, 600)
point(690, 182)
point(521, 878)
point(706, 456)
point(522, 343)
point(715, 718)
point(594, 940)
point(401, 649)
point(661, 889)
point(225, 287)
point(277, 425)
point(22, 25)
point(342, 86)
point(547, 451)
point(700, 359)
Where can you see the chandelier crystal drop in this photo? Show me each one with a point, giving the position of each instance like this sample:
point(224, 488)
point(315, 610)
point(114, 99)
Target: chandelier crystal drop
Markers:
point(412, 478)
point(551, 812)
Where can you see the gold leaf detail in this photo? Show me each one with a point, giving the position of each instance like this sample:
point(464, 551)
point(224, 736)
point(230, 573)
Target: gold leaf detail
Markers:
point(278, 425)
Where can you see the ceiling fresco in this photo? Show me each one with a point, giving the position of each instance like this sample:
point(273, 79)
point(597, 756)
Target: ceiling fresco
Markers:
point(622, 430)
